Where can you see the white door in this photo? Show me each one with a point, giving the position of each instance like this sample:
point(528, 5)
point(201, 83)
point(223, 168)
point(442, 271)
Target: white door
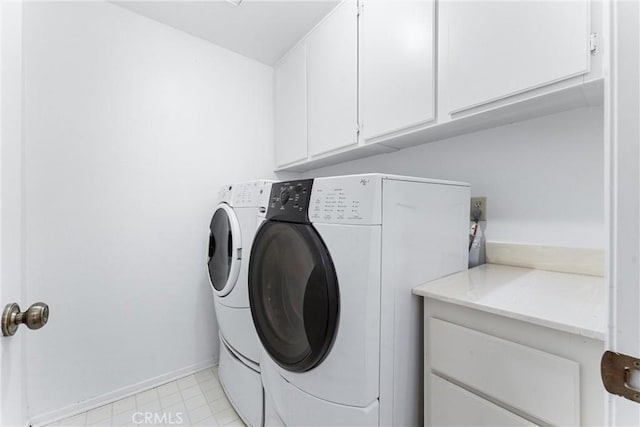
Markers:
point(622, 175)
point(12, 373)
point(332, 76)
point(496, 49)
point(397, 79)
point(291, 107)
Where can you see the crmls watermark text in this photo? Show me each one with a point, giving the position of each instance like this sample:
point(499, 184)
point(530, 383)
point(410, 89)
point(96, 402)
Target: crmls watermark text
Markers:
point(155, 418)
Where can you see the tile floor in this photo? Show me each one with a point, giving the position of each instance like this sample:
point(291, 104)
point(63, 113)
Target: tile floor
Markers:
point(195, 400)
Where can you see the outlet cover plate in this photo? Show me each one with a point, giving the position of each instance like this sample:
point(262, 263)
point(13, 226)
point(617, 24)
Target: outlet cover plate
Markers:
point(482, 201)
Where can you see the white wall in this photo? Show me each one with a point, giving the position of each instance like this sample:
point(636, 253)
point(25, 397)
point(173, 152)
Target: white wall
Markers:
point(543, 178)
point(130, 128)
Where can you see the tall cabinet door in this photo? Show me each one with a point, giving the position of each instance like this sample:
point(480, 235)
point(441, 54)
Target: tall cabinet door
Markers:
point(501, 48)
point(396, 65)
point(291, 107)
point(332, 65)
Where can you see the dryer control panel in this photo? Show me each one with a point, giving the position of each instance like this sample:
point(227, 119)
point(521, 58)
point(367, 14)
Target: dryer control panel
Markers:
point(289, 200)
point(354, 199)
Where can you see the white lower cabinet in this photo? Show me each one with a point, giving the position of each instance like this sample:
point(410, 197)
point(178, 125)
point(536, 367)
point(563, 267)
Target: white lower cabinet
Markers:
point(454, 406)
point(488, 370)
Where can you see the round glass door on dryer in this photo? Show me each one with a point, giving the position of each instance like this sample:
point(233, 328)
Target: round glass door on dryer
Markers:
point(293, 294)
point(225, 250)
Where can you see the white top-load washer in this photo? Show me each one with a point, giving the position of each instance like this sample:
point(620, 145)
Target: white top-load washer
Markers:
point(232, 229)
point(330, 279)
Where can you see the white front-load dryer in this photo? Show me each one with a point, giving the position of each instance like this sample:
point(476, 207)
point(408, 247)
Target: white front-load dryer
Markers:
point(330, 278)
point(231, 233)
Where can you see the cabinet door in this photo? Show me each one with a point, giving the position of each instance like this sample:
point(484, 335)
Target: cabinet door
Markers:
point(455, 406)
point(332, 72)
point(291, 107)
point(396, 65)
point(469, 357)
point(502, 48)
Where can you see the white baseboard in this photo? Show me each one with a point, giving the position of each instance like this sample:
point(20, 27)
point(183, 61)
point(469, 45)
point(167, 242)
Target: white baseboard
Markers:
point(112, 396)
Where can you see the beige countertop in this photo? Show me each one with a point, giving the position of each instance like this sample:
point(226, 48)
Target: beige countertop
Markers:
point(573, 303)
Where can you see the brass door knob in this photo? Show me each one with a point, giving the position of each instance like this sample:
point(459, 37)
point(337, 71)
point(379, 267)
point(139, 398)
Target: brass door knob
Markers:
point(35, 317)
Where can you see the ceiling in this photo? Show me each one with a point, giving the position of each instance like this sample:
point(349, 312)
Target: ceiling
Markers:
point(259, 29)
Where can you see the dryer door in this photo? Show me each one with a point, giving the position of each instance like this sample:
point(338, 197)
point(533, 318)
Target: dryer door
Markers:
point(225, 249)
point(293, 293)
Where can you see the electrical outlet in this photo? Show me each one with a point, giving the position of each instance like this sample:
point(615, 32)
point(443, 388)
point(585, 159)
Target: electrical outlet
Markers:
point(480, 202)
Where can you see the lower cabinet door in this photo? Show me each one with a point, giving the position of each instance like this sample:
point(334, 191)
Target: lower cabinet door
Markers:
point(454, 406)
point(542, 385)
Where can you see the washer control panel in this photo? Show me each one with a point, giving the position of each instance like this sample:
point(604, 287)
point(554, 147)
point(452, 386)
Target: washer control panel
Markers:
point(248, 194)
point(225, 193)
point(289, 200)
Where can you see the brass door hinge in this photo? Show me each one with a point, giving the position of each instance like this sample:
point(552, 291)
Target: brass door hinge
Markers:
point(615, 369)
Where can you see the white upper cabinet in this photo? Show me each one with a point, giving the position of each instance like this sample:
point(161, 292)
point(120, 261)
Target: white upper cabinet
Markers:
point(397, 73)
point(396, 65)
point(332, 64)
point(495, 49)
point(291, 107)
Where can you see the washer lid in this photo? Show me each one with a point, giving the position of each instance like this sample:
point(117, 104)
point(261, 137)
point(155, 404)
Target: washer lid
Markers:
point(225, 250)
point(293, 293)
